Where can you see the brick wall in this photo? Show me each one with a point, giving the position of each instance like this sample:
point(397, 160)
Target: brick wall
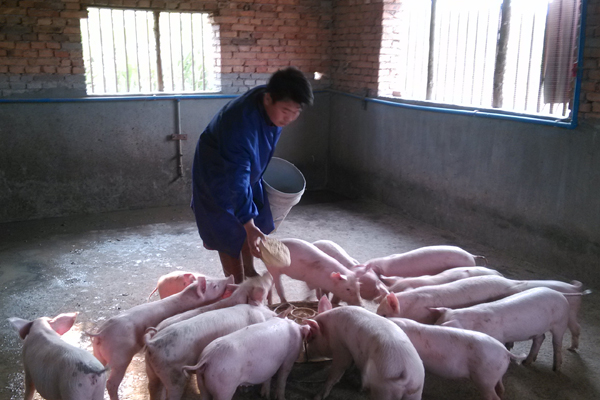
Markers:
point(41, 52)
point(41, 55)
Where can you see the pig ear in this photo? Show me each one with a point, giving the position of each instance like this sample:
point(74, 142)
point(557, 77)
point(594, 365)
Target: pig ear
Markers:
point(21, 325)
point(360, 270)
point(189, 277)
point(324, 305)
point(437, 312)
point(393, 302)
point(257, 296)
point(63, 322)
point(229, 289)
point(338, 277)
point(315, 328)
point(201, 285)
point(389, 280)
point(452, 324)
point(304, 331)
point(230, 280)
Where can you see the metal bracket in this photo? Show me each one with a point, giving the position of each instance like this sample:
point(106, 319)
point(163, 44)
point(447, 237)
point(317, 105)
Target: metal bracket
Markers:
point(178, 137)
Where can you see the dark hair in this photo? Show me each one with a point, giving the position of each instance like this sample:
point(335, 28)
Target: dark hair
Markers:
point(290, 84)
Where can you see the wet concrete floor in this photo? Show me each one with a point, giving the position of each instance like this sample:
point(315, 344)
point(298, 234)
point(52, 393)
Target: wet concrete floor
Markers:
point(100, 265)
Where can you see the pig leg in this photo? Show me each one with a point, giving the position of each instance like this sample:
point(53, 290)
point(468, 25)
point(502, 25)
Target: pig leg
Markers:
point(535, 348)
point(154, 383)
point(29, 386)
point(489, 390)
point(575, 329)
point(265, 390)
point(340, 363)
point(279, 287)
point(117, 373)
point(283, 373)
point(557, 339)
point(175, 385)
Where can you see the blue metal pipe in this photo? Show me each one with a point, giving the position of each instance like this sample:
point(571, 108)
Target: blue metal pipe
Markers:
point(123, 98)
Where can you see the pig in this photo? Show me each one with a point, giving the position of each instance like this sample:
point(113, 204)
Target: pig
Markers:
point(252, 291)
point(252, 355)
point(522, 316)
point(449, 275)
point(317, 270)
point(427, 260)
point(120, 337)
point(173, 282)
point(371, 287)
point(180, 344)
point(474, 355)
point(575, 287)
point(416, 303)
point(58, 370)
point(390, 365)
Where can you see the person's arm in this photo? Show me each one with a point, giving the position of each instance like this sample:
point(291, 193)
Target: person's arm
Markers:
point(254, 236)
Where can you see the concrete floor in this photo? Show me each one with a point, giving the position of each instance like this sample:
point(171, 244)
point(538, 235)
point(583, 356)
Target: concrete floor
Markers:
point(102, 264)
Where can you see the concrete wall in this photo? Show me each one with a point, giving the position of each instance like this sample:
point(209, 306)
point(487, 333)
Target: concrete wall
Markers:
point(96, 156)
point(530, 189)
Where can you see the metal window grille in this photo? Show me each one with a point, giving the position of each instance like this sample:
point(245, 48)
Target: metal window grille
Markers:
point(139, 51)
point(514, 55)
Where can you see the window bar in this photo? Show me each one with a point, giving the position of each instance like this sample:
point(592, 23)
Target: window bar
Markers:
point(203, 53)
point(148, 30)
point(102, 50)
point(502, 46)
point(90, 54)
point(182, 56)
point(475, 52)
point(465, 58)
point(487, 36)
point(112, 28)
point(529, 64)
point(171, 53)
point(444, 91)
point(518, 63)
point(431, 46)
point(193, 55)
point(455, 58)
point(408, 57)
point(159, 70)
point(125, 43)
point(137, 52)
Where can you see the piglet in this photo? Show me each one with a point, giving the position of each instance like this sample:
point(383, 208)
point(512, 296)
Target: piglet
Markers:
point(58, 370)
point(415, 304)
point(252, 291)
point(252, 355)
point(371, 287)
point(427, 260)
point(389, 364)
point(449, 275)
point(180, 344)
point(120, 337)
point(522, 316)
point(474, 355)
point(174, 282)
point(317, 270)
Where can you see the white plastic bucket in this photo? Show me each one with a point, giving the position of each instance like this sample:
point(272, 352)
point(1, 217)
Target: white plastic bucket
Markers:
point(284, 184)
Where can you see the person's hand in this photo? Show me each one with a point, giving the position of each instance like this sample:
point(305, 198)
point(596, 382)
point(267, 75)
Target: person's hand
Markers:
point(254, 236)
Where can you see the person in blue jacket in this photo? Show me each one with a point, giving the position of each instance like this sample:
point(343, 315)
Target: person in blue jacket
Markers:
point(228, 198)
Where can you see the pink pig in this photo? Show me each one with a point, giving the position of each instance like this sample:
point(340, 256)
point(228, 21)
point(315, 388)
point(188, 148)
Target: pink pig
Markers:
point(415, 304)
point(120, 337)
point(318, 271)
point(252, 355)
point(449, 275)
point(389, 364)
point(174, 282)
point(180, 344)
point(252, 291)
point(371, 287)
point(522, 316)
point(474, 355)
point(427, 260)
point(55, 368)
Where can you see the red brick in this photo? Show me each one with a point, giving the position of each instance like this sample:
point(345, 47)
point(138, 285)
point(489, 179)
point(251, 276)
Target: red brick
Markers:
point(16, 69)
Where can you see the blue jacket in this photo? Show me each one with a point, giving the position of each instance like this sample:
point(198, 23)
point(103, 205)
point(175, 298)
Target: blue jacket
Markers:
point(231, 157)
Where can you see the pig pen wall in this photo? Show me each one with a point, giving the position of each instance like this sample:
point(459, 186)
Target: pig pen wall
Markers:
point(529, 189)
point(79, 157)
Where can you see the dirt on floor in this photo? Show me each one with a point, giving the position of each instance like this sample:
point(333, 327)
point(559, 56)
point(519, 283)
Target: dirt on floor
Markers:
point(100, 265)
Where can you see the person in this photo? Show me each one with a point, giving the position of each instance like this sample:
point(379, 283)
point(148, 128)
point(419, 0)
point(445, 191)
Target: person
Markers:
point(229, 202)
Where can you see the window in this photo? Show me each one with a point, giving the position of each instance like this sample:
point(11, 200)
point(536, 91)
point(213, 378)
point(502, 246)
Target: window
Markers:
point(512, 55)
point(139, 51)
